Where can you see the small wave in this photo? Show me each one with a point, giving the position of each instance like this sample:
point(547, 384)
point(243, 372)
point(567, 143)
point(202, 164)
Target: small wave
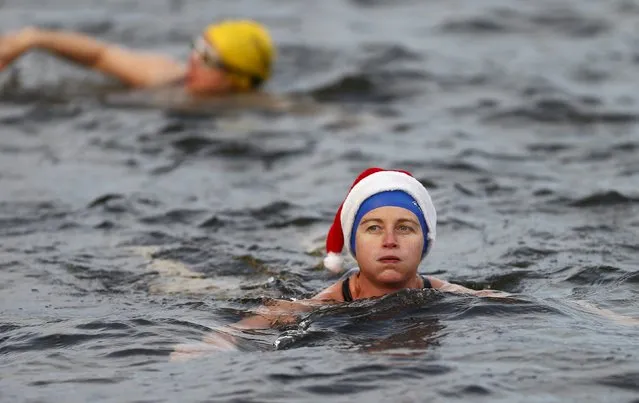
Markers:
point(472, 152)
point(375, 3)
point(267, 211)
point(295, 222)
point(509, 282)
point(632, 278)
point(213, 222)
point(544, 192)
point(460, 166)
point(383, 75)
point(464, 190)
point(591, 275)
point(610, 198)
point(175, 216)
point(570, 22)
point(595, 228)
point(630, 147)
point(591, 156)
point(549, 148)
point(96, 381)
point(383, 54)
point(193, 144)
point(7, 327)
point(562, 111)
point(486, 24)
point(354, 88)
point(269, 150)
point(492, 188)
point(133, 352)
point(428, 183)
point(628, 381)
point(118, 203)
point(527, 252)
point(470, 391)
point(278, 214)
point(51, 341)
point(457, 223)
point(152, 238)
point(21, 218)
point(100, 325)
point(505, 20)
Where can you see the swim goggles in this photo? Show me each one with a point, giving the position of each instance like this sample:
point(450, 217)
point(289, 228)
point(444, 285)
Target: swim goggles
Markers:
point(207, 54)
point(210, 57)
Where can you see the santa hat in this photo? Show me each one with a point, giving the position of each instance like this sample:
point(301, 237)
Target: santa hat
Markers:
point(370, 183)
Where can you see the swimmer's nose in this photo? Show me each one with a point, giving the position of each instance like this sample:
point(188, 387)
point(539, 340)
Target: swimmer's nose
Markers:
point(390, 239)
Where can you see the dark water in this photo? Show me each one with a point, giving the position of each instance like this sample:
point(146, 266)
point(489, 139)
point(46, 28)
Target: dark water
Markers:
point(127, 229)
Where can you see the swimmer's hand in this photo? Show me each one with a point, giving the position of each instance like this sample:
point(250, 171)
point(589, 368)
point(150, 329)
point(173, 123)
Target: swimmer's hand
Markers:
point(213, 342)
point(15, 44)
point(491, 293)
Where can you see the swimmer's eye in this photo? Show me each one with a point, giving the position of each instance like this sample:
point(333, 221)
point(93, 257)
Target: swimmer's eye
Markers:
point(210, 60)
point(406, 229)
point(373, 228)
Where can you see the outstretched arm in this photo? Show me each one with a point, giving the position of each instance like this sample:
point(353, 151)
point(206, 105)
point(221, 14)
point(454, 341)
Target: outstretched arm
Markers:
point(135, 68)
point(458, 289)
point(277, 312)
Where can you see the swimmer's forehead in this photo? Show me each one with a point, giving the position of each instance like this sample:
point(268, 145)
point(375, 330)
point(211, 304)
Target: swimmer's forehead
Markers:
point(390, 212)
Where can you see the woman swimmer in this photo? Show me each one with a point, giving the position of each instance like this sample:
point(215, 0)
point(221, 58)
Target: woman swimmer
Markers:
point(231, 56)
point(388, 224)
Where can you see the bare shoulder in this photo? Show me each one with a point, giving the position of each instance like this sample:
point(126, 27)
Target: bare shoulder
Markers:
point(436, 283)
point(444, 285)
point(332, 293)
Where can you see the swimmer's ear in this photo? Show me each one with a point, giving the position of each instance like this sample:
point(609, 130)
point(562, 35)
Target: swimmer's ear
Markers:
point(240, 82)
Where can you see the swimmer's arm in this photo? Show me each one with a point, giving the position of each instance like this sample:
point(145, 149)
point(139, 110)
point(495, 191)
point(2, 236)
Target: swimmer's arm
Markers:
point(276, 313)
point(607, 313)
point(135, 68)
point(443, 285)
point(222, 339)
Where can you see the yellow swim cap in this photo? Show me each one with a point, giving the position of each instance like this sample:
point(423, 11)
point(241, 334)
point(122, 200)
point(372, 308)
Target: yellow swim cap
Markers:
point(245, 48)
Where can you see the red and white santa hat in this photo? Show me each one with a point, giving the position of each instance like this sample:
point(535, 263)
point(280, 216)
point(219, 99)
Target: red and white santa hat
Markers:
point(368, 183)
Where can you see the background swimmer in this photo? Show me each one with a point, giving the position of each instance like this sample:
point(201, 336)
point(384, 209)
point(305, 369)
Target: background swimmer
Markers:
point(227, 57)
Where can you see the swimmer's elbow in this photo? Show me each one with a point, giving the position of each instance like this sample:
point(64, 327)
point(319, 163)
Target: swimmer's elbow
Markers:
point(254, 322)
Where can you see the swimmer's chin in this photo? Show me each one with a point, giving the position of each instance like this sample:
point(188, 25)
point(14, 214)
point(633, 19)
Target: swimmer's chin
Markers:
point(391, 274)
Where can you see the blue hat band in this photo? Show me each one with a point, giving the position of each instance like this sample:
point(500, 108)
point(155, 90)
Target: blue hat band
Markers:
point(391, 198)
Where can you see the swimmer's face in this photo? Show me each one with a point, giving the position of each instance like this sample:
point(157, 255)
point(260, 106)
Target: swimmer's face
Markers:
point(204, 74)
point(388, 245)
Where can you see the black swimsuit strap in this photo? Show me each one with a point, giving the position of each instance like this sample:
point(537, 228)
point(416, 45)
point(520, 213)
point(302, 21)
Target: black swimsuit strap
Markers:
point(348, 297)
point(346, 290)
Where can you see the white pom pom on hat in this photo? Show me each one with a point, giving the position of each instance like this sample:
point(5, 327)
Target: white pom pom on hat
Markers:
point(368, 183)
point(333, 262)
